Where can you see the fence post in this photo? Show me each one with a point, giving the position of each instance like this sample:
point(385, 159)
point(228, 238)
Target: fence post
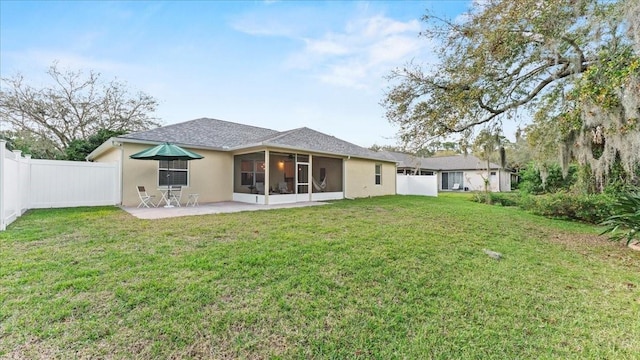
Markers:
point(3, 224)
point(18, 155)
point(27, 192)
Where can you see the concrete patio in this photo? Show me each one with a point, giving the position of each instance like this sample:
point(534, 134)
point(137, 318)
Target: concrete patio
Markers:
point(209, 208)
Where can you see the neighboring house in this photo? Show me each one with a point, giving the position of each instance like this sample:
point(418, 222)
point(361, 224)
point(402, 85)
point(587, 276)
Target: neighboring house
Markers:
point(251, 164)
point(460, 172)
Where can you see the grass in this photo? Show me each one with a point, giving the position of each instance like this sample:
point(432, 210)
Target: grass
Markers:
point(381, 278)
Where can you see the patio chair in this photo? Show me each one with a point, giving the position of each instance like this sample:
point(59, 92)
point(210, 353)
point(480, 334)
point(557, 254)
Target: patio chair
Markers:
point(283, 188)
point(456, 187)
point(176, 195)
point(260, 187)
point(145, 199)
point(192, 199)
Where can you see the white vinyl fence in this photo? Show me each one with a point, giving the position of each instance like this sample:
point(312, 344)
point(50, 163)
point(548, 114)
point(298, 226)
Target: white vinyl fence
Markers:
point(426, 185)
point(27, 183)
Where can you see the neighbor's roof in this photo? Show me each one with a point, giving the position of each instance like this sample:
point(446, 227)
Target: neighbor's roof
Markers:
point(228, 136)
point(456, 162)
point(405, 160)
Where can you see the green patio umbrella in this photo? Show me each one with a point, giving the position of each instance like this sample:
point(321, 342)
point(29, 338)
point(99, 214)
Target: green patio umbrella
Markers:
point(166, 152)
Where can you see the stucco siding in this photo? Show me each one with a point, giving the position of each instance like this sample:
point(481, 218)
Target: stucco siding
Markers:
point(112, 155)
point(209, 177)
point(360, 178)
point(474, 180)
point(212, 176)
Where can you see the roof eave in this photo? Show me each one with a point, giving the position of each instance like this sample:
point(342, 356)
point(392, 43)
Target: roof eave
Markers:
point(100, 149)
point(295, 148)
point(114, 140)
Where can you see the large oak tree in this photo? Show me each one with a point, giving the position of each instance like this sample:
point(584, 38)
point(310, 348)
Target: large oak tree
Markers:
point(75, 106)
point(572, 66)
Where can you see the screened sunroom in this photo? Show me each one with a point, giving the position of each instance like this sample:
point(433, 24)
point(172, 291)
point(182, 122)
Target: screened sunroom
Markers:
point(274, 177)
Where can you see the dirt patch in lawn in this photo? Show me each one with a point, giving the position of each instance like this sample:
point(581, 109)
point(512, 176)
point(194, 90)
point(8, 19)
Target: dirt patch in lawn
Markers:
point(591, 245)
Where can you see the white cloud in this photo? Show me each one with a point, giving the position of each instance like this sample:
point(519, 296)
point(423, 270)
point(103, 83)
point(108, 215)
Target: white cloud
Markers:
point(380, 26)
point(326, 47)
point(356, 52)
point(359, 55)
point(351, 74)
point(394, 49)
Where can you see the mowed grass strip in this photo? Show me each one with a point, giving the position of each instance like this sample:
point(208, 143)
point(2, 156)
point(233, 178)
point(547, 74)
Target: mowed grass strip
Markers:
point(382, 278)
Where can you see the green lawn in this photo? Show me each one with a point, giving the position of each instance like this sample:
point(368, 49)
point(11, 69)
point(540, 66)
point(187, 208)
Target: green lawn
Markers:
point(382, 278)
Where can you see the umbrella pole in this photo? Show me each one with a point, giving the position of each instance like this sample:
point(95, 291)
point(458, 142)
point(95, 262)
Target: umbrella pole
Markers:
point(169, 186)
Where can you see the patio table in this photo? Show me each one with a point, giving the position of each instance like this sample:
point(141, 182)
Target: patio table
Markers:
point(165, 196)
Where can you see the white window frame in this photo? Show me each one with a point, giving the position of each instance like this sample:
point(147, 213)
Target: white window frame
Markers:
point(169, 168)
point(257, 168)
point(450, 182)
point(378, 174)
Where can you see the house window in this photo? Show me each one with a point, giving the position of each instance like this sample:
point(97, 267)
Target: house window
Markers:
point(425, 172)
point(251, 172)
point(493, 173)
point(174, 172)
point(246, 172)
point(259, 171)
point(450, 179)
point(378, 174)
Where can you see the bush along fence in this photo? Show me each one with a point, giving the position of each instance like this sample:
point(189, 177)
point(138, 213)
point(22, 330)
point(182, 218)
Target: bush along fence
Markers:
point(589, 208)
point(27, 183)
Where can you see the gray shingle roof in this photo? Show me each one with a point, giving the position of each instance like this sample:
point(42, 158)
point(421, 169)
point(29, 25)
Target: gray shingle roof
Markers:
point(457, 162)
point(204, 132)
point(225, 135)
point(309, 139)
point(405, 160)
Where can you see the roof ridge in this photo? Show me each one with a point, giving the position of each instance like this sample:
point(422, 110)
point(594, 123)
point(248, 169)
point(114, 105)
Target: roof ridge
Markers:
point(279, 135)
point(231, 122)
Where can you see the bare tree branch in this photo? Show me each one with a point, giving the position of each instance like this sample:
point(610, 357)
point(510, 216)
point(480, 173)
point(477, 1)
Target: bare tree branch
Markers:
point(75, 106)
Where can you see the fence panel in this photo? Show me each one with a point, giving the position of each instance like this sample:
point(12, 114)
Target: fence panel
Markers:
point(11, 196)
point(28, 184)
point(426, 185)
point(72, 183)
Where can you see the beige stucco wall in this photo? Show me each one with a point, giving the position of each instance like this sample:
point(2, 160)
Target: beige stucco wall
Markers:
point(360, 178)
point(112, 155)
point(212, 176)
point(209, 177)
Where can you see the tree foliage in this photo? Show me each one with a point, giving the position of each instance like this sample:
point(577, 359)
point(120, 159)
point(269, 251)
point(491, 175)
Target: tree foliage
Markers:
point(572, 66)
point(74, 107)
point(30, 144)
point(78, 149)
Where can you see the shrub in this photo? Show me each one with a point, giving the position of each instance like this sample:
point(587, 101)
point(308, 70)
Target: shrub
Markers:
point(530, 181)
point(590, 208)
point(504, 199)
point(587, 208)
point(625, 223)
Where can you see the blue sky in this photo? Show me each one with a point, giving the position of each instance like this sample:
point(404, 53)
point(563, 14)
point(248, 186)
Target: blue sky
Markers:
point(274, 64)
